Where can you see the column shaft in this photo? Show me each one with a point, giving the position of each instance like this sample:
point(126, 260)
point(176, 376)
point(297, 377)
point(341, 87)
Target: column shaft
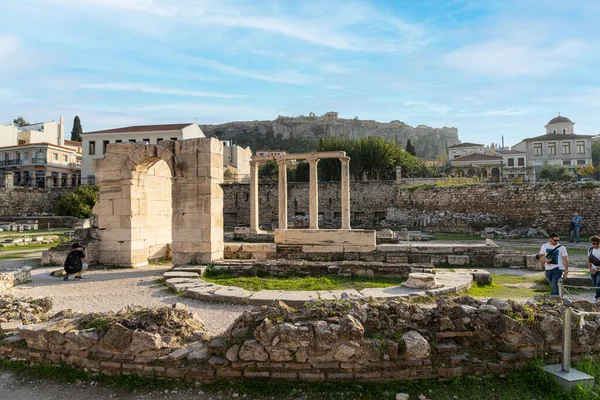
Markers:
point(345, 192)
point(283, 205)
point(314, 194)
point(254, 214)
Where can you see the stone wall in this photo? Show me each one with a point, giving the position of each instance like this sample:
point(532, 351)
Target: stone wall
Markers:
point(321, 341)
point(550, 206)
point(18, 201)
point(368, 200)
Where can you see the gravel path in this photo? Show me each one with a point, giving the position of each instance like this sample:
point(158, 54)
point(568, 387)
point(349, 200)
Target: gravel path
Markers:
point(104, 290)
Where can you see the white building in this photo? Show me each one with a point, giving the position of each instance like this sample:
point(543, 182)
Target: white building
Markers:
point(236, 159)
point(37, 155)
point(94, 143)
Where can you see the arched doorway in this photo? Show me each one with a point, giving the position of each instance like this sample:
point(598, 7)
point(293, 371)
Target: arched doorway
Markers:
point(495, 175)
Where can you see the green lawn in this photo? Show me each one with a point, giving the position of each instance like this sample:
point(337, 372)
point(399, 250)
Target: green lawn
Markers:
point(29, 247)
point(510, 287)
point(256, 283)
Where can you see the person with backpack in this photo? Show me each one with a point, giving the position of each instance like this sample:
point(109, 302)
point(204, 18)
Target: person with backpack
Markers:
point(555, 259)
point(74, 264)
point(594, 264)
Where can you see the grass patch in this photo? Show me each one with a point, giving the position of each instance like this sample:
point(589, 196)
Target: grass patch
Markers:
point(17, 256)
point(29, 247)
point(510, 287)
point(295, 282)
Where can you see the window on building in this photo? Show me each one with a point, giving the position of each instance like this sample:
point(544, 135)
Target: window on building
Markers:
point(554, 131)
point(566, 147)
point(580, 147)
point(104, 144)
point(65, 159)
point(521, 161)
point(173, 138)
point(118, 141)
point(537, 149)
point(552, 148)
point(580, 162)
point(146, 141)
point(564, 131)
point(131, 140)
point(511, 162)
point(55, 156)
point(26, 156)
point(566, 162)
point(92, 149)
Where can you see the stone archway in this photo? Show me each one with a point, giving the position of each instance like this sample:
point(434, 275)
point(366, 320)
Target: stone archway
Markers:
point(156, 199)
point(495, 175)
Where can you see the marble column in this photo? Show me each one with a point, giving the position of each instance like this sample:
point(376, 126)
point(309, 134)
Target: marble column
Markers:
point(283, 205)
point(254, 214)
point(345, 191)
point(313, 194)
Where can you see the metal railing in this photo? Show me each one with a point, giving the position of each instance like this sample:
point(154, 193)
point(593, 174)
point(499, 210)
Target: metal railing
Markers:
point(39, 160)
point(566, 329)
point(7, 163)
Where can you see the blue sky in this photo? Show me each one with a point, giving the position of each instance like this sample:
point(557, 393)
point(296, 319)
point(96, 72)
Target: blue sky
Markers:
point(490, 68)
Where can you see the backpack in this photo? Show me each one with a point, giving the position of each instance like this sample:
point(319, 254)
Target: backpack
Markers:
point(595, 262)
point(73, 263)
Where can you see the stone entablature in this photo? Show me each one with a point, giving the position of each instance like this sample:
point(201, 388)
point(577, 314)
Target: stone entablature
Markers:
point(324, 342)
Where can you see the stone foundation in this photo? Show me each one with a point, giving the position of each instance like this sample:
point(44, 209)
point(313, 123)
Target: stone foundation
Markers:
point(10, 278)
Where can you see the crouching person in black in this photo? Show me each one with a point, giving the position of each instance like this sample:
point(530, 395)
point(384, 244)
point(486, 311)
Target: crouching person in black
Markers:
point(75, 262)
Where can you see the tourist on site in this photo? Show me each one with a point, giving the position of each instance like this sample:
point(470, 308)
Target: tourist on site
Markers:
point(555, 259)
point(74, 264)
point(575, 228)
point(594, 263)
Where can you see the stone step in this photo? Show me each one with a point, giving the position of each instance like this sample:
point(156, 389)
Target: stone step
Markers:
point(180, 274)
point(200, 269)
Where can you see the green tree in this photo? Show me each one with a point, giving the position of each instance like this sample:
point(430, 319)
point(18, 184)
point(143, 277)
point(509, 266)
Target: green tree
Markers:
point(77, 130)
point(20, 121)
point(410, 149)
point(555, 173)
point(371, 158)
point(78, 203)
point(595, 152)
point(268, 171)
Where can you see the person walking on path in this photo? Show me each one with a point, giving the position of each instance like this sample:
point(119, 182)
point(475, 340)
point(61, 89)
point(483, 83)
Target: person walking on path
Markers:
point(575, 228)
point(556, 261)
point(74, 264)
point(594, 263)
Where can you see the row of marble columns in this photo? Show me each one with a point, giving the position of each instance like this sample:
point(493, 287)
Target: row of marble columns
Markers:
point(313, 194)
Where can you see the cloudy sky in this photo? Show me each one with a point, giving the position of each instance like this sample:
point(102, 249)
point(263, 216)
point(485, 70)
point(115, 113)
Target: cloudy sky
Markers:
point(489, 68)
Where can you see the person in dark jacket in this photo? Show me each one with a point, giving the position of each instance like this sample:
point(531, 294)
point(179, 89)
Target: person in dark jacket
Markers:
point(75, 263)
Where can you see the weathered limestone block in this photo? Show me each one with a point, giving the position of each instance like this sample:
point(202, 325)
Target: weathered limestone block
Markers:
point(82, 340)
point(251, 350)
point(344, 352)
point(351, 328)
point(142, 342)
point(509, 259)
point(117, 338)
point(419, 280)
point(416, 345)
point(458, 259)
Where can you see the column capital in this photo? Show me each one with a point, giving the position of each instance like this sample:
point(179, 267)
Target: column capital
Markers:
point(344, 159)
point(313, 160)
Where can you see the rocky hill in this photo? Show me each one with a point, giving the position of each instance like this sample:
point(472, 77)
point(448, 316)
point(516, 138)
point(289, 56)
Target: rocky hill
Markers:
point(302, 133)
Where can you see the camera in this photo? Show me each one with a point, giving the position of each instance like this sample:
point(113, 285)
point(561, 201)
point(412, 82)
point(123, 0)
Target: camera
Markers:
point(537, 256)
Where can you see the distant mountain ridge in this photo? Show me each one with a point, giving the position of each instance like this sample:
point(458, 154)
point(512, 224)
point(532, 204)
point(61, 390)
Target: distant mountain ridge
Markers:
point(302, 133)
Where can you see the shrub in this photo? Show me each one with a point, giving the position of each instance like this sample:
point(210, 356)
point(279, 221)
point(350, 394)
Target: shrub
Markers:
point(78, 203)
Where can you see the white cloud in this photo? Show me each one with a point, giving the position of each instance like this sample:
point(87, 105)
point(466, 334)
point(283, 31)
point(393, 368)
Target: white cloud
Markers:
point(510, 58)
point(290, 77)
point(143, 88)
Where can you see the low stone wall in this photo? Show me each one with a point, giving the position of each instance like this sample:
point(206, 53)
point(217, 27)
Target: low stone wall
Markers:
point(321, 341)
point(477, 255)
point(9, 278)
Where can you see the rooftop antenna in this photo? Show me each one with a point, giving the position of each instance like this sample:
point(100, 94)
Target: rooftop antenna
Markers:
point(502, 142)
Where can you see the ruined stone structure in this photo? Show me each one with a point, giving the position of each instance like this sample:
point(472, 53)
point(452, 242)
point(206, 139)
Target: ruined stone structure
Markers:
point(158, 199)
point(327, 240)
